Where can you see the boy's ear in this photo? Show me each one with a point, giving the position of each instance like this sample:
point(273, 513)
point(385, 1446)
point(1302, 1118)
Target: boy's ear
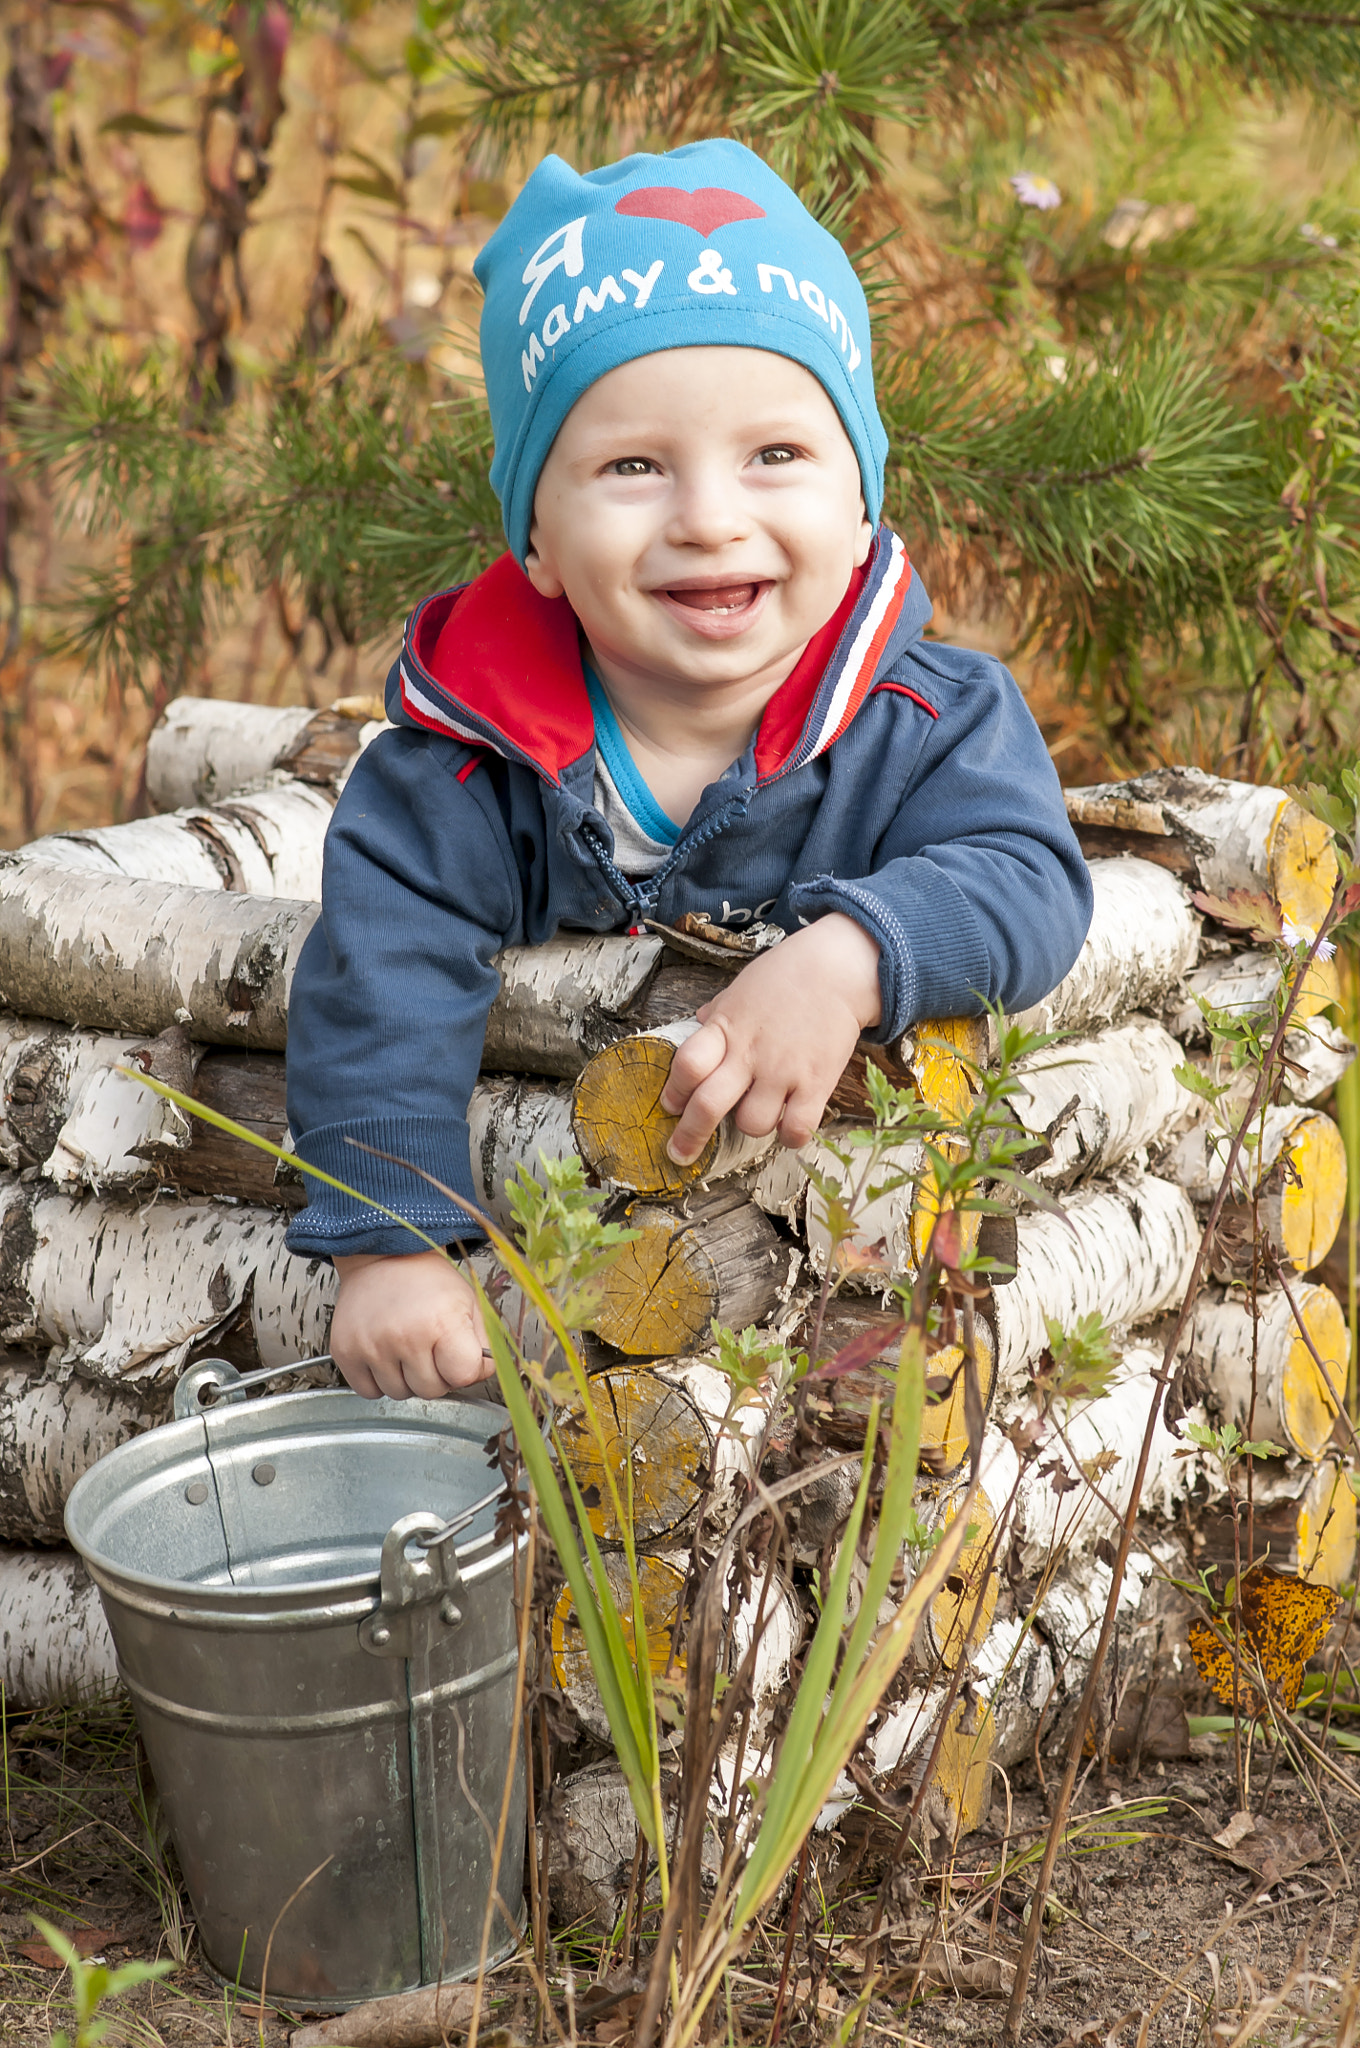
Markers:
point(538, 571)
point(864, 539)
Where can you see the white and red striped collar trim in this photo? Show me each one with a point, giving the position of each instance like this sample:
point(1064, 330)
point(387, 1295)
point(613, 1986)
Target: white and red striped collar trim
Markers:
point(841, 695)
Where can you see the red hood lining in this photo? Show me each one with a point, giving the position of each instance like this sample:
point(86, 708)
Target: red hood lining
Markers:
point(513, 659)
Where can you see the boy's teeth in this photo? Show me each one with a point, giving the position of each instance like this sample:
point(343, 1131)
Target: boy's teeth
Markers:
point(733, 597)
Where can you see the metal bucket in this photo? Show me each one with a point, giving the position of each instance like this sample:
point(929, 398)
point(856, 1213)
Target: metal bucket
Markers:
point(316, 1682)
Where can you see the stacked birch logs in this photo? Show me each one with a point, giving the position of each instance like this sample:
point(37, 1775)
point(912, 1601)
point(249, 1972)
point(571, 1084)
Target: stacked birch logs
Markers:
point(133, 1240)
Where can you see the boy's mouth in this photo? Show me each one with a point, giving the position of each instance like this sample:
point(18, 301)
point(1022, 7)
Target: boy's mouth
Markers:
point(716, 609)
point(724, 598)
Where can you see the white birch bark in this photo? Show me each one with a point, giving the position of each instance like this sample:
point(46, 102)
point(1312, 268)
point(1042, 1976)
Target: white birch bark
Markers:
point(563, 1001)
point(126, 1293)
point(55, 1647)
point(1315, 1058)
point(265, 844)
point(136, 956)
point(51, 1432)
point(205, 748)
point(1143, 939)
point(512, 1124)
point(1089, 1503)
point(1228, 835)
point(1127, 1099)
point(1122, 1250)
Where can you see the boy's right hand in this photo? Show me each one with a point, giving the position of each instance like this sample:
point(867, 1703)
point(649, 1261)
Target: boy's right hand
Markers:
point(407, 1325)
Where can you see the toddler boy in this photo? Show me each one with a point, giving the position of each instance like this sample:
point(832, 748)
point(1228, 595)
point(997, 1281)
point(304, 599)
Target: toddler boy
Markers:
point(696, 682)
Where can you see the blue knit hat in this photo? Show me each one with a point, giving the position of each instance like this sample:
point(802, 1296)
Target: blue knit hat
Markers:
point(703, 246)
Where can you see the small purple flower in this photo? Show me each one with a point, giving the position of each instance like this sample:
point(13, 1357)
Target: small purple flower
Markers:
point(1035, 191)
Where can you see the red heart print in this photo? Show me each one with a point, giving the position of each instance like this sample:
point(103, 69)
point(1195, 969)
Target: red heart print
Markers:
point(708, 208)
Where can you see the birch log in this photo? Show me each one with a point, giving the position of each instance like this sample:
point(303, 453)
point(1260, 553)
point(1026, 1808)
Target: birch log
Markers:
point(205, 748)
point(55, 1647)
point(51, 1432)
point(128, 1293)
point(1143, 939)
point(1297, 1174)
point(1217, 835)
point(1077, 1491)
point(622, 1131)
point(266, 844)
point(715, 1256)
point(1296, 1397)
point(663, 1580)
point(1245, 985)
point(836, 1409)
point(1122, 1251)
point(138, 956)
point(1303, 1522)
point(1314, 1059)
point(1104, 1100)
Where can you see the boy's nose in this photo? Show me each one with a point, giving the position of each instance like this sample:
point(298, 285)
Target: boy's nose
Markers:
point(708, 512)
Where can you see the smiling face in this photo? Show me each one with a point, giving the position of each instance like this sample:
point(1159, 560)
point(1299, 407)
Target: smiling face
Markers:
point(701, 510)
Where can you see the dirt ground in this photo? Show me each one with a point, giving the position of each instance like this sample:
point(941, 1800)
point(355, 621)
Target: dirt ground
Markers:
point(1151, 1916)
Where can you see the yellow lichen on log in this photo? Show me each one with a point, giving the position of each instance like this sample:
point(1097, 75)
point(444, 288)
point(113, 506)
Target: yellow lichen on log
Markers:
point(961, 1613)
point(657, 1446)
point(1327, 1528)
point(1302, 862)
point(963, 1767)
point(715, 1257)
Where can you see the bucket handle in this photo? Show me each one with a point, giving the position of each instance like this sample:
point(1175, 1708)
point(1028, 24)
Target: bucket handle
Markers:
point(216, 1374)
point(408, 1587)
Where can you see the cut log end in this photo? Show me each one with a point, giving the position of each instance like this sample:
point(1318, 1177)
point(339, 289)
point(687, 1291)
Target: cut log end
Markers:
point(1327, 1523)
point(1303, 867)
point(619, 1123)
point(961, 1612)
point(657, 1445)
point(719, 1259)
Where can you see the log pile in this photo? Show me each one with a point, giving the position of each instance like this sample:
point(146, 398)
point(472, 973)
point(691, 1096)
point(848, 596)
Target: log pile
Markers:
point(133, 1241)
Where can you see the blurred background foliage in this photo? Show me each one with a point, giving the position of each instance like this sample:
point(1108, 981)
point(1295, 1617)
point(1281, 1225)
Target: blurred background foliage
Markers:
point(1110, 244)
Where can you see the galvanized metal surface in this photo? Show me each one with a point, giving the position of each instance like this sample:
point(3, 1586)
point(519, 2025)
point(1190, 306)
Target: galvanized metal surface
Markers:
point(316, 1680)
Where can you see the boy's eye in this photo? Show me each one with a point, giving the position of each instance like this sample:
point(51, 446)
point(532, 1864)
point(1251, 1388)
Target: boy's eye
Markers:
point(780, 453)
point(632, 465)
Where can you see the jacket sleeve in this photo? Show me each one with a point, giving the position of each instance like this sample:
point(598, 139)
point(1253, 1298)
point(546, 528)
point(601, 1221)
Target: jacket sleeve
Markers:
point(979, 892)
point(391, 995)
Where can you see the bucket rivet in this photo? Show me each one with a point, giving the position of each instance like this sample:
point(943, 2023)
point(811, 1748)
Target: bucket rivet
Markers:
point(196, 1492)
point(450, 1611)
point(264, 1474)
point(380, 1635)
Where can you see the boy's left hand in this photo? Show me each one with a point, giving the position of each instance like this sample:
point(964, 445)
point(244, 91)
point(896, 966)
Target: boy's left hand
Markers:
point(776, 1041)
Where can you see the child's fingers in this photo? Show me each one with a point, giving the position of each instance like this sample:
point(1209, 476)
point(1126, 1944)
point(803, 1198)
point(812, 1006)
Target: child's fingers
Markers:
point(459, 1357)
point(800, 1120)
point(705, 1110)
point(761, 1108)
point(699, 1057)
point(358, 1376)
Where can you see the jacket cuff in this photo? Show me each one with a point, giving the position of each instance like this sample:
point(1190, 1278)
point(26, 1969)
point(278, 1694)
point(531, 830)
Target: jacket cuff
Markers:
point(335, 1224)
point(930, 947)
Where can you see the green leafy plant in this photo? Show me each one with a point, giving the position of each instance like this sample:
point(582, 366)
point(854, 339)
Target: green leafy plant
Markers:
point(93, 1986)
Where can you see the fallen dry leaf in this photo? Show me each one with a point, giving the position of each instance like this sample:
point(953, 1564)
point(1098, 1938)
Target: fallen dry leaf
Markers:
point(1273, 1850)
point(86, 1941)
point(944, 1968)
point(1237, 1830)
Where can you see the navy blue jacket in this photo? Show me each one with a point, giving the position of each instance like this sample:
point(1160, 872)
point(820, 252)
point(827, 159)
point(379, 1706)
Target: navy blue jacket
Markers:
point(894, 779)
